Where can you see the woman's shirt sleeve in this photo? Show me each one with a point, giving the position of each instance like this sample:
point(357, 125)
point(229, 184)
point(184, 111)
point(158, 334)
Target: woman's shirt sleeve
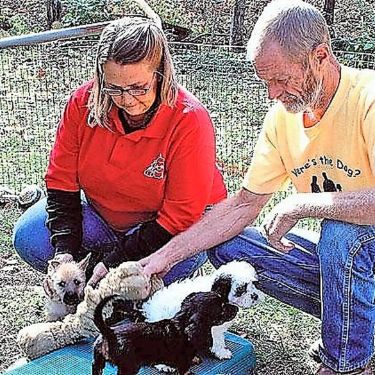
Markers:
point(190, 171)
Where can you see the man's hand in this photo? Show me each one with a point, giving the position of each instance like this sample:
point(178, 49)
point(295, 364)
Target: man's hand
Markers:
point(283, 217)
point(155, 265)
point(98, 273)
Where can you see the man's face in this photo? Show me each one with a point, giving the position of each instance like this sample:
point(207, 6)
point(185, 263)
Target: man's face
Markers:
point(295, 86)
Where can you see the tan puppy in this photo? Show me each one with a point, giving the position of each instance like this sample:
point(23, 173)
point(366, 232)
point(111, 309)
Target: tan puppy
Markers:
point(64, 287)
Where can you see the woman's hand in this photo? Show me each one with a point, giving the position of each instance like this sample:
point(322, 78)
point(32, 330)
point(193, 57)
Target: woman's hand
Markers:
point(99, 272)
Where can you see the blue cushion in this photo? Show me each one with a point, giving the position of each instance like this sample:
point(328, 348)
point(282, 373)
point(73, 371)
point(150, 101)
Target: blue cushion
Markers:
point(76, 360)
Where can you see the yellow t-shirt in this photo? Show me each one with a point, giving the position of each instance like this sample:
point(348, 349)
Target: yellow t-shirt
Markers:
point(337, 154)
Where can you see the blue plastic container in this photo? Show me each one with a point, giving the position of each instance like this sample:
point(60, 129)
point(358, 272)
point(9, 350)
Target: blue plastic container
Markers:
point(76, 360)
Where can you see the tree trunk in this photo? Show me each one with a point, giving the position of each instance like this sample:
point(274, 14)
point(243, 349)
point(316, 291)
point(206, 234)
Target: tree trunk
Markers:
point(237, 26)
point(53, 12)
point(329, 10)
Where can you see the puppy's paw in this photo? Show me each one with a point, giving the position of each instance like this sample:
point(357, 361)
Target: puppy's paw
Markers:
point(164, 368)
point(196, 360)
point(221, 353)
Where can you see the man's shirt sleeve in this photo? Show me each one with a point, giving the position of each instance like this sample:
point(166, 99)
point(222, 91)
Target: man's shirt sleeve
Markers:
point(267, 171)
point(369, 132)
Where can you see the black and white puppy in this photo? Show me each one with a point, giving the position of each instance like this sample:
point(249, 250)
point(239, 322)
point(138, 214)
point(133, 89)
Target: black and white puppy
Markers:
point(235, 280)
point(174, 342)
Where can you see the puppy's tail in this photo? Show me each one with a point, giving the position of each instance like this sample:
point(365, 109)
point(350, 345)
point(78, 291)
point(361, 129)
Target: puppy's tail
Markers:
point(99, 321)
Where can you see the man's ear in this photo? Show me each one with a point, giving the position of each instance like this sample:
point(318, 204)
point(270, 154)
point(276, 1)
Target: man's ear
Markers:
point(321, 53)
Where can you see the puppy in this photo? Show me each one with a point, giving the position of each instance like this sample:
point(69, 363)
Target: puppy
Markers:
point(175, 342)
point(234, 281)
point(64, 287)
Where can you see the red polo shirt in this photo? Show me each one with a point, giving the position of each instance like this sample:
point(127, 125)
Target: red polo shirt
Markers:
point(166, 171)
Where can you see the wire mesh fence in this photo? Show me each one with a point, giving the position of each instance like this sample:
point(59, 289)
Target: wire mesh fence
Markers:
point(36, 80)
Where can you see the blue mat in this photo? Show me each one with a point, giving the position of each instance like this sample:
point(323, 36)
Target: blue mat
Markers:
point(76, 360)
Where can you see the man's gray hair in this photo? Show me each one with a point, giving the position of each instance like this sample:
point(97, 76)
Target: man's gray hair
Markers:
point(298, 27)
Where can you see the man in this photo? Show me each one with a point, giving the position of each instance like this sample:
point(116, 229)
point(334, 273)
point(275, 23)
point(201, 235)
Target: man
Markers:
point(320, 135)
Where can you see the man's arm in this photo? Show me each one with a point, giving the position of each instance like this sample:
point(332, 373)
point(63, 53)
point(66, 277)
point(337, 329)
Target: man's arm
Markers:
point(353, 207)
point(223, 222)
point(357, 207)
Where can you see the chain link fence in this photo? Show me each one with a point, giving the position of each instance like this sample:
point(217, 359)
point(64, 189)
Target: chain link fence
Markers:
point(36, 80)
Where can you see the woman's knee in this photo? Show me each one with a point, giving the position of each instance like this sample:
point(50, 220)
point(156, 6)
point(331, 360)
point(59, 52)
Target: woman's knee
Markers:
point(31, 236)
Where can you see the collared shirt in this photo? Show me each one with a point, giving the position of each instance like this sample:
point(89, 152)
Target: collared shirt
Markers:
point(166, 171)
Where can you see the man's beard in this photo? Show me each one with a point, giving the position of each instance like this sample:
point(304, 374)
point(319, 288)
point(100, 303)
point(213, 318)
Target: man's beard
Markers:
point(311, 94)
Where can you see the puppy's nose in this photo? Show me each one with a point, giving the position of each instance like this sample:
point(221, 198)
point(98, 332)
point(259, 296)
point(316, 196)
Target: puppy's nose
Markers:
point(254, 296)
point(71, 298)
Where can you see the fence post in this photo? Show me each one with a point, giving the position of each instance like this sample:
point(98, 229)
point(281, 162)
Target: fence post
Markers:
point(329, 10)
point(53, 12)
point(237, 25)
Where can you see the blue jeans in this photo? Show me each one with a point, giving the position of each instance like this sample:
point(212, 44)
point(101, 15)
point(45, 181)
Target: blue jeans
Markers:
point(31, 239)
point(330, 277)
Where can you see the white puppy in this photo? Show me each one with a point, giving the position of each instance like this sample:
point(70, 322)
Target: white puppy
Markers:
point(238, 276)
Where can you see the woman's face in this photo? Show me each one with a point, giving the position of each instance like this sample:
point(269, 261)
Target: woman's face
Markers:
point(134, 77)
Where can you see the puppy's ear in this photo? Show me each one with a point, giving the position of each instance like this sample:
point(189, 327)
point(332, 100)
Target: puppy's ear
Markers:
point(222, 286)
point(48, 287)
point(52, 265)
point(229, 311)
point(84, 262)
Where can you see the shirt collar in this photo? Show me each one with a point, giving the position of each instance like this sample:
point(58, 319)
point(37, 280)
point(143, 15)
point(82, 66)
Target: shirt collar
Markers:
point(155, 129)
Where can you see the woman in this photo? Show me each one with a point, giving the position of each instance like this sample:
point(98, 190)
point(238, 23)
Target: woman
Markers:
point(139, 147)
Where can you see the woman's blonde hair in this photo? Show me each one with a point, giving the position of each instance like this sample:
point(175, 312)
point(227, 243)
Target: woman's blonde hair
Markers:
point(127, 41)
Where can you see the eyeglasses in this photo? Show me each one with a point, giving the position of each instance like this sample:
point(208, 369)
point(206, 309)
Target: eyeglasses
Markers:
point(118, 91)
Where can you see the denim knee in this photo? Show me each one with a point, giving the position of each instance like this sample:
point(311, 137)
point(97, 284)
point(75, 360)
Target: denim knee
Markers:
point(339, 240)
point(31, 237)
point(234, 249)
point(185, 268)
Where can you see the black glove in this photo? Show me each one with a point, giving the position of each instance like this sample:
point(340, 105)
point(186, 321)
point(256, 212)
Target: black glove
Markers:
point(65, 222)
point(148, 238)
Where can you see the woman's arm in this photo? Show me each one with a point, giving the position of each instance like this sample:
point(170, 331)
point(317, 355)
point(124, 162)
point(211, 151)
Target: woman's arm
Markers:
point(63, 191)
point(65, 221)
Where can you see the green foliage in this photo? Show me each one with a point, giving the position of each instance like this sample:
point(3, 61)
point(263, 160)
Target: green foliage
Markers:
point(80, 12)
point(18, 24)
point(364, 44)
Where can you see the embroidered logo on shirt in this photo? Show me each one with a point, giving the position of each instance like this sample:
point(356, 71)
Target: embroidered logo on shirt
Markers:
point(156, 168)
